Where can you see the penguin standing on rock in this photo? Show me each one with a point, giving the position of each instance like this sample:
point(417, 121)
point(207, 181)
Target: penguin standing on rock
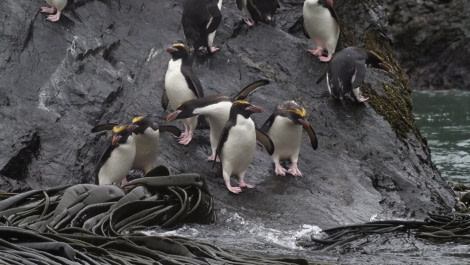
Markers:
point(146, 135)
point(181, 84)
point(216, 109)
point(57, 6)
point(237, 144)
point(258, 10)
point(347, 70)
point(320, 23)
point(200, 18)
point(284, 127)
point(117, 159)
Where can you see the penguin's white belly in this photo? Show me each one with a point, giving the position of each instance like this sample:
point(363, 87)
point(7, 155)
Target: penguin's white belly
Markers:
point(217, 115)
point(286, 137)
point(146, 149)
point(118, 164)
point(239, 148)
point(59, 4)
point(321, 26)
point(176, 87)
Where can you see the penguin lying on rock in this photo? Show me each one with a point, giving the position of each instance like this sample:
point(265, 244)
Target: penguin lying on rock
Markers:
point(258, 10)
point(146, 137)
point(347, 70)
point(237, 143)
point(320, 23)
point(215, 108)
point(284, 127)
point(200, 19)
point(181, 84)
point(116, 161)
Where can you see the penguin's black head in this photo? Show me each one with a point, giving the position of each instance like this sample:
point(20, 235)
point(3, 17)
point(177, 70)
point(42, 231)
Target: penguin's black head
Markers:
point(243, 108)
point(374, 60)
point(184, 110)
point(140, 124)
point(178, 50)
point(292, 110)
point(120, 134)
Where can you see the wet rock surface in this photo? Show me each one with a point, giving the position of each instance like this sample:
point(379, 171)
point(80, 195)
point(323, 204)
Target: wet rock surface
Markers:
point(431, 39)
point(58, 80)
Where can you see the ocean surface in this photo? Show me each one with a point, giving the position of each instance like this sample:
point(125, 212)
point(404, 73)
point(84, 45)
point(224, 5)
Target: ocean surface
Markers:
point(444, 119)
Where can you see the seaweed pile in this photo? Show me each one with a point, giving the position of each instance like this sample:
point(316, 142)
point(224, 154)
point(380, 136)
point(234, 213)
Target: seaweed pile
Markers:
point(453, 227)
point(92, 224)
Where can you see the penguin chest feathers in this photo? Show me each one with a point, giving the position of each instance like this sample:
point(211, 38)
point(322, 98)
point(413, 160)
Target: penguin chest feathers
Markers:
point(320, 25)
point(176, 86)
point(239, 148)
point(146, 149)
point(118, 164)
point(286, 137)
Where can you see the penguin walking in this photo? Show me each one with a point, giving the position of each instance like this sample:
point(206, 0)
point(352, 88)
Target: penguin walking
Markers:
point(258, 10)
point(201, 18)
point(146, 134)
point(117, 159)
point(181, 84)
point(347, 70)
point(57, 7)
point(237, 144)
point(216, 109)
point(320, 23)
point(284, 127)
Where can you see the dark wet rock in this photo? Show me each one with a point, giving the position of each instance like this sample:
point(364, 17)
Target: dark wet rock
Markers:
point(431, 40)
point(61, 79)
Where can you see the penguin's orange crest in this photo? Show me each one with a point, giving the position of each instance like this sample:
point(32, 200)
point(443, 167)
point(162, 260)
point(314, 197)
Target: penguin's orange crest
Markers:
point(137, 119)
point(378, 56)
point(119, 128)
point(244, 102)
point(299, 111)
point(179, 44)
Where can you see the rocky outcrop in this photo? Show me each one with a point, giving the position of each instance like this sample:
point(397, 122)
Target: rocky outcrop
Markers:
point(60, 79)
point(431, 39)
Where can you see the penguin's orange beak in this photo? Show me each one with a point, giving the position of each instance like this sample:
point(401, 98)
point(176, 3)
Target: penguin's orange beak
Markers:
point(304, 122)
point(384, 66)
point(171, 49)
point(172, 116)
point(115, 139)
point(254, 109)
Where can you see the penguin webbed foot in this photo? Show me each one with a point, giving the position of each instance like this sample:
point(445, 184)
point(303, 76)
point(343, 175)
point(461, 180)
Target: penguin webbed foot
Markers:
point(186, 139)
point(50, 10)
point(234, 190)
point(243, 184)
point(249, 22)
point(361, 99)
point(212, 157)
point(280, 170)
point(294, 170)
point(54, 18)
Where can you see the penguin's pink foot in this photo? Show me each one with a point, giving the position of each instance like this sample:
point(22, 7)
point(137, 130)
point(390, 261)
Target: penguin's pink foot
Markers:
point(243, 184)
point(235, 190)
point(325, 59)
point(361, 99)
point(55, 17)
point(249, 22)
point(212, 157)
point(316, 52)
point(186, 140)
point(214, 49)
point(49, 10)
point(280, 170)
point(294, 170)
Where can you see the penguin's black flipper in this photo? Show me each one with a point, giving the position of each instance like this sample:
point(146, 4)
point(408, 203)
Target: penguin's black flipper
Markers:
point(268, 123)
point(311, 134)
point(158, 171)
point(170, 129)
point(359, 74)
point(103, 127)
point(165, 100)
point(246, 91)
point(216, 15)
point(264, 140)
point(240, 4)
point(192, 80)
point(222, 140)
